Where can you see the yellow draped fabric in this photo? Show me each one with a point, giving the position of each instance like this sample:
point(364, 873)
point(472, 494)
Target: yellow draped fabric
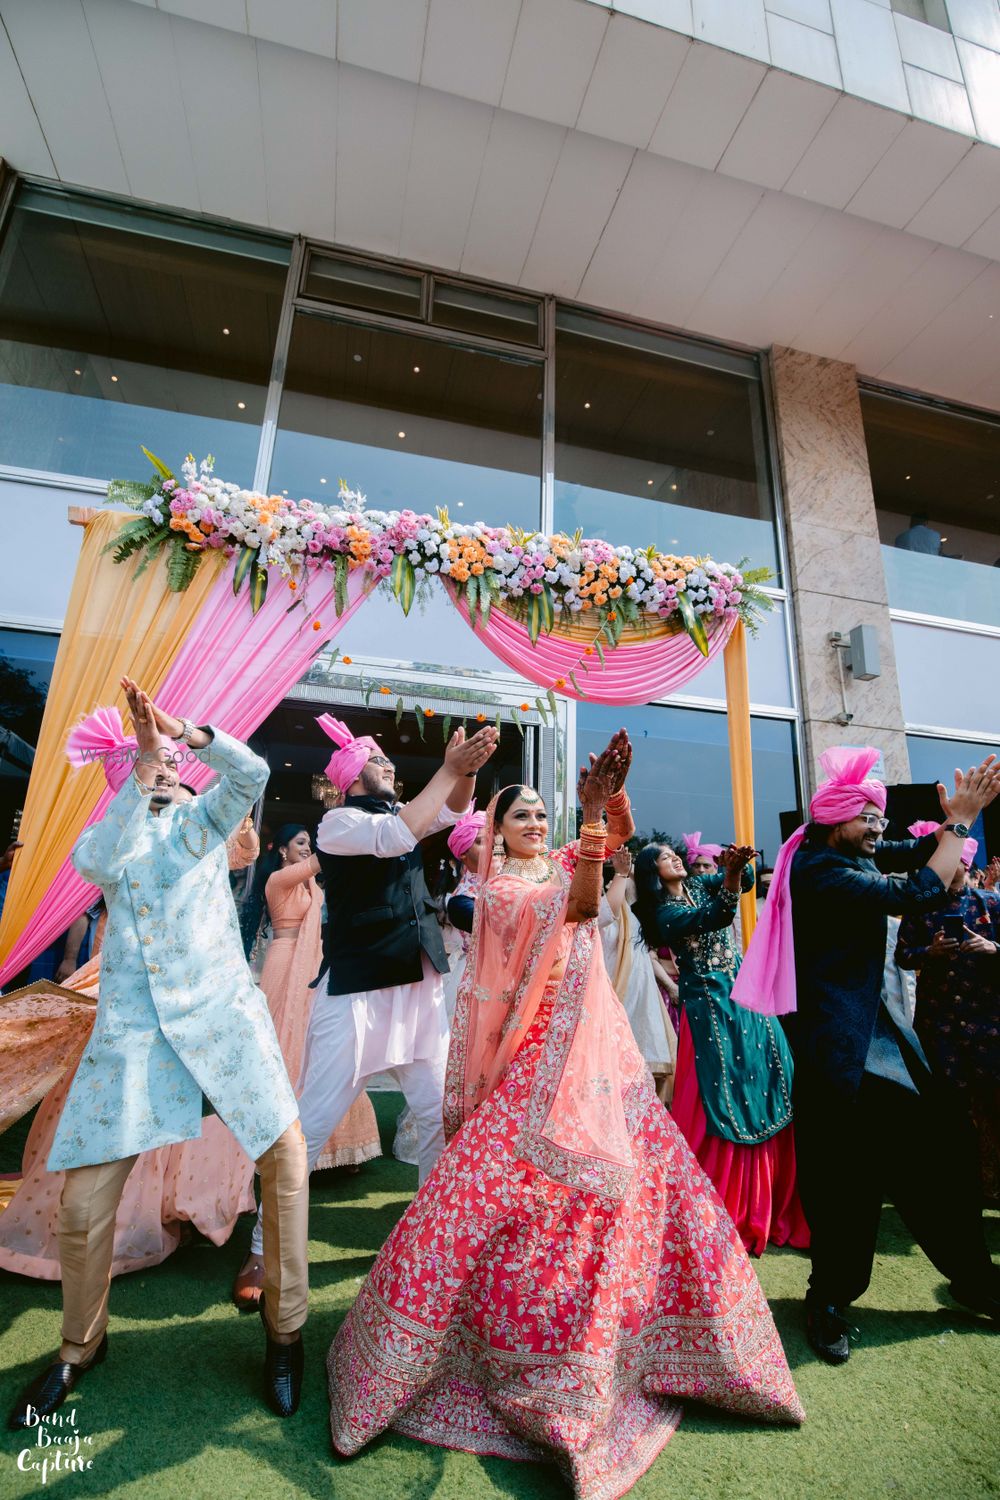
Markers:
point(740, 758)
point(115, 624)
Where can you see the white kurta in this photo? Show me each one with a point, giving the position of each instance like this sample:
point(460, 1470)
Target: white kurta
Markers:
point(641, 1001)
point(406, 1022)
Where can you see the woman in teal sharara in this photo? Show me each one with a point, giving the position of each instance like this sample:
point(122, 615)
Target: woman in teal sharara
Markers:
point(733, 1085)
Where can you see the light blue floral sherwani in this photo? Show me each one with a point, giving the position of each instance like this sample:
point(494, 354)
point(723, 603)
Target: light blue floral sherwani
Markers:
point(179, 1015)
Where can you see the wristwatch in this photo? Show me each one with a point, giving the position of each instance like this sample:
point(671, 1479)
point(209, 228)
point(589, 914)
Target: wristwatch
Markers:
point(960, 830)
point(187, 731)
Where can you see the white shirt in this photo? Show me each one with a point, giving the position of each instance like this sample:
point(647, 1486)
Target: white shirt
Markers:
point(406, 1022)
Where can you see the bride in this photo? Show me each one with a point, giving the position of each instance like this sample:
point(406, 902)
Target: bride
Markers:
point(567, 1274)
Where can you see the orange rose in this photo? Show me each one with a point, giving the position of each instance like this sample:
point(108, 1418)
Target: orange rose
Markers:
point(428, 713)
point(317, 625)
point(524, 708)
point(345, 659)
point(589, 651)
point(560, 682)
point(480, 718)
point(385, 690)
point(292, 585)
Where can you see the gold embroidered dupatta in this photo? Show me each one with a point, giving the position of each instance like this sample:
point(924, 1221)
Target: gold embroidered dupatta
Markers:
point(590, 1086)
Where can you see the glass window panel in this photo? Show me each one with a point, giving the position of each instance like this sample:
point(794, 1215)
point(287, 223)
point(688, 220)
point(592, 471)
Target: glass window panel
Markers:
point(936, 479)
point(767, 666)
point(353, 284)
point(948, 679)
point(411, 422)
point(26, 661)
point(680, 782)
point(487, 313)
point(933, 760)
point(122, 329)
point(652, 447)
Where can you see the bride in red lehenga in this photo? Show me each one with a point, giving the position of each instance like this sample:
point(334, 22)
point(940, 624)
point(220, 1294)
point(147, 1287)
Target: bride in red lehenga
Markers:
point(567, 1274)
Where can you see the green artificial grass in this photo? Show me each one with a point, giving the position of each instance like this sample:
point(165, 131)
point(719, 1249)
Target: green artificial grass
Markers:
point(175, 1411)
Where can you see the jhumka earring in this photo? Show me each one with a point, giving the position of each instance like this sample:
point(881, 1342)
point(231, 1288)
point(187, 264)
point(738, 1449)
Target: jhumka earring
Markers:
point(498, 849)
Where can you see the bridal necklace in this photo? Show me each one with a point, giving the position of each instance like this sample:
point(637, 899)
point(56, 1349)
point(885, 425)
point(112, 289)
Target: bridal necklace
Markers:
point(537, 869)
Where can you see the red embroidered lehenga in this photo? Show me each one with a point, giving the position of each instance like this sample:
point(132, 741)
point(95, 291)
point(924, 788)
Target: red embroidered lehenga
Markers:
point(567, 1274)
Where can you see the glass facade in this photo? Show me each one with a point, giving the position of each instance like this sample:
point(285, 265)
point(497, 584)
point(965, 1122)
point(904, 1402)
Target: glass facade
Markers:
point(26, 661)
point(936, 478)
point(122, 328)
point(679, 781)
point(660, 441)
point(411, 421)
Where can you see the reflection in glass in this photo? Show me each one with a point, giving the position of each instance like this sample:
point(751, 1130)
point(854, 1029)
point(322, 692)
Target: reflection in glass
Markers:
point(680, 782)
point(936, 478)
point(26, 661)
point(471, 311)
point(411, 422)
point(330, 278)
point(122, 329)
point(656, 448)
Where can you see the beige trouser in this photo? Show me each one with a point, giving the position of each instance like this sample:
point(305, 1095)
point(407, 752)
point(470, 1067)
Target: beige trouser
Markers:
point(89, 1203)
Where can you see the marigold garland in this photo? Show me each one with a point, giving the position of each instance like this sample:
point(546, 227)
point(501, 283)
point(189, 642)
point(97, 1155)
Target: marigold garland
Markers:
point(533, 577)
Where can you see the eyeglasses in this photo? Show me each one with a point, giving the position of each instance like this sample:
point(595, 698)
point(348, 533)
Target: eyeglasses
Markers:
point(380, 760)
point(881, 824)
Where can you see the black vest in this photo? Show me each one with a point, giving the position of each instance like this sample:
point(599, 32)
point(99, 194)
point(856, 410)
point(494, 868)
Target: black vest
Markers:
point(380, 918)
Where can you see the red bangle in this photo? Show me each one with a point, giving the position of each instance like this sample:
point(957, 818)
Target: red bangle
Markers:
point(618, 803)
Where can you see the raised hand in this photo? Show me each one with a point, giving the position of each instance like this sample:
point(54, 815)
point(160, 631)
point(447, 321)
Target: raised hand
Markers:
point(605, 775)
point(621, 861)
point(150, 724)
point(992, 877)
point(733, 860)
point(974, 790)
point(465, 757)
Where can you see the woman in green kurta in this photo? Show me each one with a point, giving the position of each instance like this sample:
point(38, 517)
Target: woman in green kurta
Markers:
point(733, 1083)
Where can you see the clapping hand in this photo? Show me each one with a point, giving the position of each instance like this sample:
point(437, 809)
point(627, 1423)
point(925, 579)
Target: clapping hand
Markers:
point(974, 790)
point(992, 876)
point(465, 757)
point(734, 860)
point(151, 723)
point(604, 776)
point(621, 861)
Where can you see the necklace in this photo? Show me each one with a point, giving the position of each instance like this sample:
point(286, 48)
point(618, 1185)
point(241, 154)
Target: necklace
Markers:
point(537, 869)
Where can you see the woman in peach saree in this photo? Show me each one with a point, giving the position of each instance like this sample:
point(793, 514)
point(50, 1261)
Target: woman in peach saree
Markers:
point(567, 1274)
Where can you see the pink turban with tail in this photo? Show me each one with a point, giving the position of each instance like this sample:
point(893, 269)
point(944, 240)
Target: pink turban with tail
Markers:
point(101, 736)
point(347, 763)
point(466, 831)
point(766, 981)
point(696, 849)
point(969, 848)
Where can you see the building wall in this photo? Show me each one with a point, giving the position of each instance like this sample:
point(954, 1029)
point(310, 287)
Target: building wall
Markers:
point(835, 565)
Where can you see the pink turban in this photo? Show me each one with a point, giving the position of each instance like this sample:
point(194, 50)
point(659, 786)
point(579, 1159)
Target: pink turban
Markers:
point(466, 831)
point(766, 981)
point(347, 763)
point(848, 789)
point(968, 848)
point(101, 736)
point(696, 849)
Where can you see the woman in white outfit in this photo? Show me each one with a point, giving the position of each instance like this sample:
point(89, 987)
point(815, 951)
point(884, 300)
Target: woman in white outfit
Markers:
point(630, 966)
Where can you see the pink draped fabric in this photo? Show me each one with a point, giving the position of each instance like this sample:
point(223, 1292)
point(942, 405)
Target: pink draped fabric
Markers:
point(632, 673)
point(766, 981)
point(233, 669)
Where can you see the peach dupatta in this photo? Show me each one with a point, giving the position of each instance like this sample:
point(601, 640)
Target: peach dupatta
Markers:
point(581, 1113)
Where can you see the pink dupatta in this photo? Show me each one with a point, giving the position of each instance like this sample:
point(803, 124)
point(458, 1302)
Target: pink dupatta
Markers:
point(587, 1097)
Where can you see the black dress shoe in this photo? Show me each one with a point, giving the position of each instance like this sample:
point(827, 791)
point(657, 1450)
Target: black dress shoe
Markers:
point(50, 1389)
point(282, 1372)
point(829, 1333)
point(981, 1300)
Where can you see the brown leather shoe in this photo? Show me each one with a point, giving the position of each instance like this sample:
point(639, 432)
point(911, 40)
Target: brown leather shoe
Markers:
point(247, 1288)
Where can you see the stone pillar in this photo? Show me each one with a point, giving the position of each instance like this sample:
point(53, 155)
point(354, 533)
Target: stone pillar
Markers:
point(836, 577)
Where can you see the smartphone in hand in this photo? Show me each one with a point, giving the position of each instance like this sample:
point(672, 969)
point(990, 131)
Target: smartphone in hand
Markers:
point(953, 927)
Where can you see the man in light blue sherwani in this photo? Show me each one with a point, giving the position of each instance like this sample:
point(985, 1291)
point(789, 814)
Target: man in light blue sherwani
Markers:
point(179, 1019)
